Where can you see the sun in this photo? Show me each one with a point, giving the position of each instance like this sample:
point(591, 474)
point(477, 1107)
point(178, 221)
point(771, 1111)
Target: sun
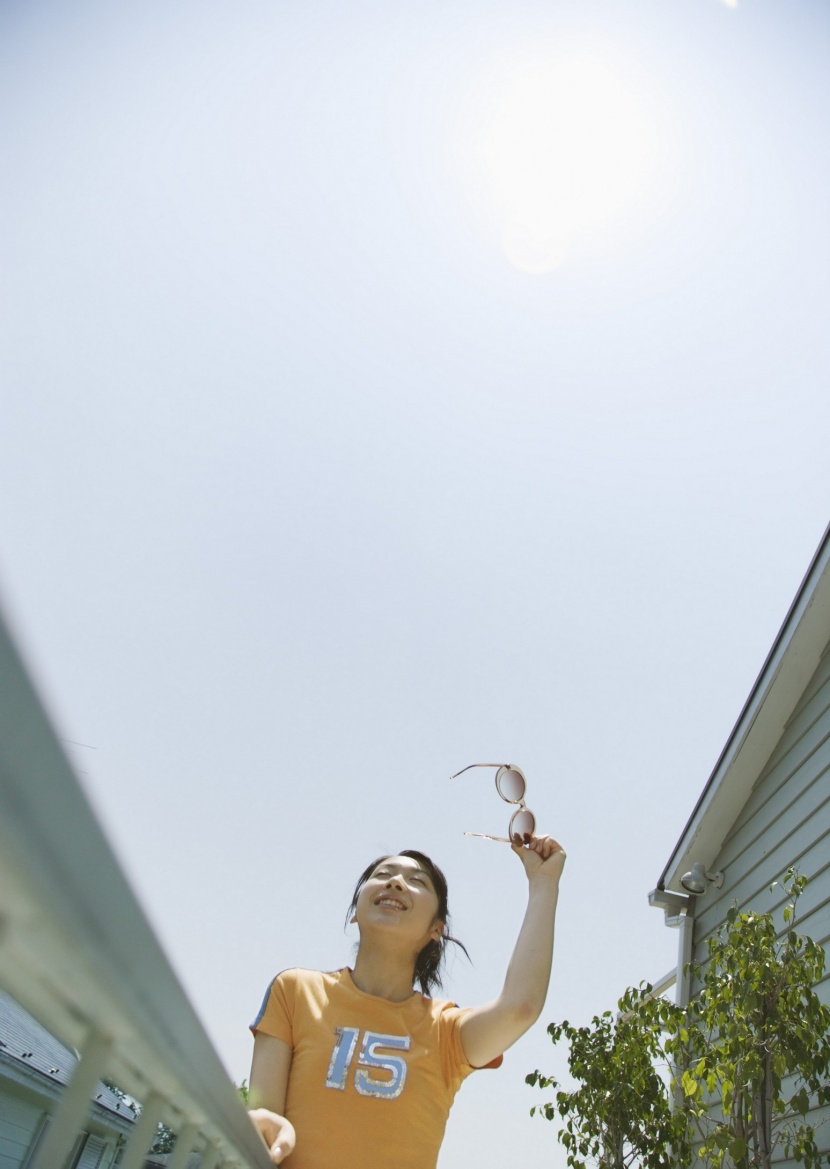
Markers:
point(559, 147)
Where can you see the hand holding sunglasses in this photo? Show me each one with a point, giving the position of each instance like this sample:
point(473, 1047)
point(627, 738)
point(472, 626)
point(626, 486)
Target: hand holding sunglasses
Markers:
point(511, 786)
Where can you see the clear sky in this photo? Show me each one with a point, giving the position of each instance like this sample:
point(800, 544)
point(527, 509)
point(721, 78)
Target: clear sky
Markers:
point(389, 387)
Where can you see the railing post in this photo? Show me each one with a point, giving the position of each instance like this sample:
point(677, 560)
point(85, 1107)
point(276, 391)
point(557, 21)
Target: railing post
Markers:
point(211, 1157)
point(185, 1140)
point(67, 909)
point(74, 1104)
point(139, 1143)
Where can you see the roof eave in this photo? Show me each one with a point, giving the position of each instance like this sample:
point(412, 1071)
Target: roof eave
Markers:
point(790, 664)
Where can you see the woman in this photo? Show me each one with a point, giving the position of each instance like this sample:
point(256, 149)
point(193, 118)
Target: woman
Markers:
point(354, 1069)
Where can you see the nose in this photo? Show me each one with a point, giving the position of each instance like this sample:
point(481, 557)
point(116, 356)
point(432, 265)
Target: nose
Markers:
point(395, 881)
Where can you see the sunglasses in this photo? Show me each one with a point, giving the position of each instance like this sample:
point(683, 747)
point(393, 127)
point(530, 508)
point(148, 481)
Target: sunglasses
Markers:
point(511, 786)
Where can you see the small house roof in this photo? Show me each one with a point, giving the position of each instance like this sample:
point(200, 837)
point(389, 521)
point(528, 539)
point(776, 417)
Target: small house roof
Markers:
point(26, 1044)
point(790, 664)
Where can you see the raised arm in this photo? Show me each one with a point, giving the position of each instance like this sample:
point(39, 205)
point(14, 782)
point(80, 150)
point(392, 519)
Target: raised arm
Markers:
point(489, 1030)
point(266, 1096)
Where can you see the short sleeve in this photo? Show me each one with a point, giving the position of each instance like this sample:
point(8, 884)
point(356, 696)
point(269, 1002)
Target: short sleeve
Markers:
point(276, 1012)
point(456, 1066)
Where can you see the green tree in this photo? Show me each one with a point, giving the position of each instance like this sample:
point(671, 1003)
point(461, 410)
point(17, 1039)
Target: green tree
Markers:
point(164, 1140)
point(750, 1055)
point(753, 1051)
point(621, 1114)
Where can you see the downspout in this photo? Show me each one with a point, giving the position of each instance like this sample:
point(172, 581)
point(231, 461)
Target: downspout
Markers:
point(679, 913)
point(685, 948)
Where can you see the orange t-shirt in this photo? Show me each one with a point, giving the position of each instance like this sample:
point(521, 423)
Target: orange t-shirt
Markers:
point(371, 1082)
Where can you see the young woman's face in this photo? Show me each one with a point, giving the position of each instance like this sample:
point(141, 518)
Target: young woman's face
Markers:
point(399, 896)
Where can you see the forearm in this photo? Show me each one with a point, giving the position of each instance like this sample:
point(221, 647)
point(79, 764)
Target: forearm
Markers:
point(489, 1030)
point(266, 1096)
point(528, 972)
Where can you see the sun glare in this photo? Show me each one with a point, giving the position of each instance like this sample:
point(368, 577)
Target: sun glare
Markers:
point(560, 147)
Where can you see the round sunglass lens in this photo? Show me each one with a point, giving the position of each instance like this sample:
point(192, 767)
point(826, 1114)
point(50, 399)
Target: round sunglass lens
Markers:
point(511, 784)
point(523, 822)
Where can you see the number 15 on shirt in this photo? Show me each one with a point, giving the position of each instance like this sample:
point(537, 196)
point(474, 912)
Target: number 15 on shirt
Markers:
point(371, 1056)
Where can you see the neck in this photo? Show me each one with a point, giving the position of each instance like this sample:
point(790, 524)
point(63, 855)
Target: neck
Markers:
point(382, 973)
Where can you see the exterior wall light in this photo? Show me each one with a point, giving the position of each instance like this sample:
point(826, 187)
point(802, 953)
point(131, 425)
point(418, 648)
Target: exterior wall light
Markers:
point(698, 880)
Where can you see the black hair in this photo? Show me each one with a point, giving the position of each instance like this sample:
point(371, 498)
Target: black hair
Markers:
point(430, 960)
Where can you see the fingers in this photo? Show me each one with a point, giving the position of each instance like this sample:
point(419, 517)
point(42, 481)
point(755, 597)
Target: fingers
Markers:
point(543, 846)
point(542, 857)
point(546, 846)
point(283, 1146)
point(277, 1132)
point(279, 1151)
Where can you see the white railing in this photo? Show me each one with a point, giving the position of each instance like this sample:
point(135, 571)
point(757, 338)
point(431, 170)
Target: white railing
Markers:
point(665, 983)
point(77, 952)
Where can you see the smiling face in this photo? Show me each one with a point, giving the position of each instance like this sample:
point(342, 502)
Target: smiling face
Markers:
point(399, 895)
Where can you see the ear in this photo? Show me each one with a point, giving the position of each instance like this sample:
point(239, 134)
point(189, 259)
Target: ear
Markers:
point(353, 919)
point(437, 931)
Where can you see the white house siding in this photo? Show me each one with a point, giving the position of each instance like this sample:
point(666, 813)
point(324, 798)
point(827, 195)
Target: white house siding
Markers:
point(785, 822)
point(20, 1120)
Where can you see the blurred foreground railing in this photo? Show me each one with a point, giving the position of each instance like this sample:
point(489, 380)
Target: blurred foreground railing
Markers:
point(77, 952)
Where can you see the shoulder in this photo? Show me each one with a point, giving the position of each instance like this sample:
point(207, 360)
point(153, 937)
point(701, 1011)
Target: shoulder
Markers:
point(441, 1011)
point(294, 990)
point(296, 974)
point(440, 1006)
point(297, 979)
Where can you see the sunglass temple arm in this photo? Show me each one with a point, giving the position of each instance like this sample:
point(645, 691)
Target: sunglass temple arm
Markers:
point(471, 765)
